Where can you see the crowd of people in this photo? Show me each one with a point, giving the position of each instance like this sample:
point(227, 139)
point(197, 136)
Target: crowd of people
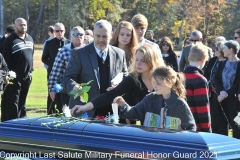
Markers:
point(199, 87)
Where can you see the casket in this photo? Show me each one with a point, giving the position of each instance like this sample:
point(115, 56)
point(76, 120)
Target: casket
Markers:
point(27, 138)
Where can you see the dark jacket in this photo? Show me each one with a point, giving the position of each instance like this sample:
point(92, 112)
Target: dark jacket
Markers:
point(18, 54)
point(218, 80)
point(3, 72)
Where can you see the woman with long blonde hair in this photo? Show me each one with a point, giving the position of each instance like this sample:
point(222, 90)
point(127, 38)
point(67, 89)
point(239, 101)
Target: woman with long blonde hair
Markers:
point(137, 84)
point(125, 38)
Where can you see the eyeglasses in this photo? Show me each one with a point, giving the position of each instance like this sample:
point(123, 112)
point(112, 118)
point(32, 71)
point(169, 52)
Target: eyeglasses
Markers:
point(59, 31)
point(236, 38)
point(165, 44)
point(77, 34)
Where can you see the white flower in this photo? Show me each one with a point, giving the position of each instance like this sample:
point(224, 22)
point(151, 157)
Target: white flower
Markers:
point(66, 111)
point(12, 75)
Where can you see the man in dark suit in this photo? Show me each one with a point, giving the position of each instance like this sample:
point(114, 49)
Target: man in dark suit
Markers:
point(97, 61)
point(196, 36)
point(48, 57)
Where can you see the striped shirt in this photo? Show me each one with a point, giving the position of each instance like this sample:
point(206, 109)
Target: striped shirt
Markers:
point(18, 54)
point(197, 98)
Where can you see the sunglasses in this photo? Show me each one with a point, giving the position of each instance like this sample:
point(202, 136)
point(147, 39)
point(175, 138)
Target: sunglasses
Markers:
point(165, 44)
point(192, 40)
point(187, 42)
point(236, 37)
point(59, 31)
point(77, 34)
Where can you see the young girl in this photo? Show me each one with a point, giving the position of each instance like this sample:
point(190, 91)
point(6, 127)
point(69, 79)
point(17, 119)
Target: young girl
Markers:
point(136, 86)
point(167, 100)
point(125, 37)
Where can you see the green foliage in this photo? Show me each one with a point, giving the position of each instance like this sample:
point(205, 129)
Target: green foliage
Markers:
point(81, 90)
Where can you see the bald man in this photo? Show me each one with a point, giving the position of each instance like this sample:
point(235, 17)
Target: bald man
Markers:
point(18, 53)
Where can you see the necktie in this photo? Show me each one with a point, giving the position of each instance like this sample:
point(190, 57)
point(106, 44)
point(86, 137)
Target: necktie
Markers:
point(102, 53)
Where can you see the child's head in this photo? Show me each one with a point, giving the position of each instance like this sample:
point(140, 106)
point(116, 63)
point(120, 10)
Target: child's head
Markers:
point(165, 79)
point(198, 53)
point(140, 23)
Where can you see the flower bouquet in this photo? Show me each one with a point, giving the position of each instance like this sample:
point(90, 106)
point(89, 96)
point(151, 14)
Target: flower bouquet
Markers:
point(11, 75)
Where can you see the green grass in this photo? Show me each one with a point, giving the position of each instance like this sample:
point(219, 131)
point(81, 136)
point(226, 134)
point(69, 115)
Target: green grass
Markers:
point(37, 95)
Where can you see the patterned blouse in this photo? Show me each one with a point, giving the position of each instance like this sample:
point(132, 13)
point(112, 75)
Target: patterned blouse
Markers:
point(229, 74)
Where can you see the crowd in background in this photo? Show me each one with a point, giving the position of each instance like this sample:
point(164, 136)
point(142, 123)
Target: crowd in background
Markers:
point(198, 86)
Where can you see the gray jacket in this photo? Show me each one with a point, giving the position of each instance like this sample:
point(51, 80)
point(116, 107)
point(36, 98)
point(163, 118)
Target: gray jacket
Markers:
point(176, 107)
point(184, 57)
point(83, 67)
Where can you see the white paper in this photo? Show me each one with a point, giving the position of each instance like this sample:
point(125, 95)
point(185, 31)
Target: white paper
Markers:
point(237, 120)
point(115, 109)
point(117, 79)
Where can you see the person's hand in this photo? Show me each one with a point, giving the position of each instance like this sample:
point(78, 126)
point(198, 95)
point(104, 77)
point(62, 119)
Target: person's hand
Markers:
point(52, 94)
point(120, 101)
point(239, 97)
point(77, 109)
point(220, 98)
point(110, 88)
point(128, 121)
point(6, 80)
point(224, 94)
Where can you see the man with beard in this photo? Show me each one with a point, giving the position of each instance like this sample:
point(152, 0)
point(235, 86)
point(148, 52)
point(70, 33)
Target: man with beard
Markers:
point(18, 53)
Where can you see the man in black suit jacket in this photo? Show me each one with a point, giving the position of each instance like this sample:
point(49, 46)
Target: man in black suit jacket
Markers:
point(97, 61)
point(196, 36)
point(48, 57)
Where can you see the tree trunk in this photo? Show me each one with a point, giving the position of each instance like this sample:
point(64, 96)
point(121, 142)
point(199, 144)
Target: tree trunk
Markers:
point(27, 13)
point(181, 28)
point(1, 18)
point(59, 10)
point(34, 32)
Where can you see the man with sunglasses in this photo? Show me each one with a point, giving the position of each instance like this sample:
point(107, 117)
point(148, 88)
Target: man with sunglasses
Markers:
point(49, 53)
point(237, 38)
point(61, 62)
point(196, 36)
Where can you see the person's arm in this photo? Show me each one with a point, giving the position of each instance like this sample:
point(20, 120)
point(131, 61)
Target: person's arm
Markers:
point(182, 60)
point(126, 86)
point(136, 112)
point(7, 51)
point(200, 94)
point(46, 54)
point(57, 70)
point(73, 70)
point(185, 114)
point(174, 62)
point(218, 78)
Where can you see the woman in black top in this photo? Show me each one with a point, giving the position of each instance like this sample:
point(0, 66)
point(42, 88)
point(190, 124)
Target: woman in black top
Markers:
point(138, 83)
point(217, 116)
point(227, 80)
point(168, 54)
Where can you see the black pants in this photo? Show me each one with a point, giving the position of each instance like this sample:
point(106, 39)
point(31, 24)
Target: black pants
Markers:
point(13, 104)
point(219, 122)
point(231, 108)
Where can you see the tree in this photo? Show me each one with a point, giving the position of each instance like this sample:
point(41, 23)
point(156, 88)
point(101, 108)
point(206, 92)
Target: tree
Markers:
point(34, 32)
